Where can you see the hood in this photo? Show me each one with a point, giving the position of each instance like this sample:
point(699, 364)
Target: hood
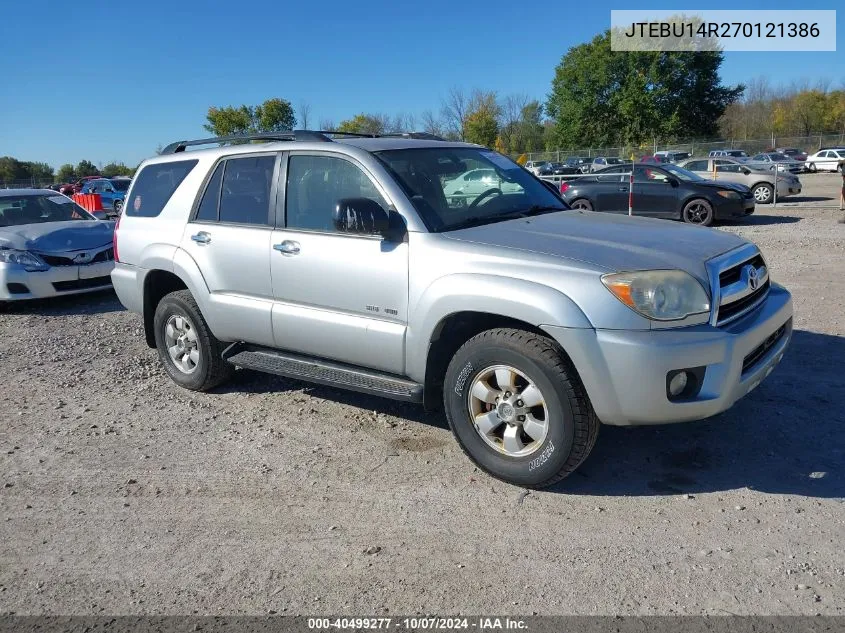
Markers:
point(610, 242)
point(724, 184)
point(51, 237)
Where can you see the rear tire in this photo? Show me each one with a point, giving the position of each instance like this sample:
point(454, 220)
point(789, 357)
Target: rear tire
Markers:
point(811, 168)
point(190, 353)
point(558, 427)
point(581, 203)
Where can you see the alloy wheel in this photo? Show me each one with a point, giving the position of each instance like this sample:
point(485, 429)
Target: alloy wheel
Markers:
point(180, 337)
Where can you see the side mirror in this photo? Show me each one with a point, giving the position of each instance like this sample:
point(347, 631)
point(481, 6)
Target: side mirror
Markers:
point(746, 171)
point(360, 216)
point(673, 181)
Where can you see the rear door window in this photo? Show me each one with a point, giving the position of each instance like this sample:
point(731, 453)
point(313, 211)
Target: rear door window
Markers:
point(155, 185)
point(245, 196)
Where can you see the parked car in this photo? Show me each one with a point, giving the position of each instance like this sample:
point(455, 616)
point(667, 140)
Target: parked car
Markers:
point(672, 156)
point(760, 181)
point(601, 162)
point(77, 186)
point(775, 160)
point(826, 160)
point(568, 167)
point(793, 152)
point(344, 263)
point(738, 154)
point(658, 160)
point(580, 164)
point(51, 246)
point(466, 188)
point(539, 167)
point(664, 191)
point(112, 192)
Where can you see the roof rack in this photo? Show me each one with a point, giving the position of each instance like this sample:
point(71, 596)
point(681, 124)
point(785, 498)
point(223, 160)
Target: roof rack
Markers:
point(294, 135)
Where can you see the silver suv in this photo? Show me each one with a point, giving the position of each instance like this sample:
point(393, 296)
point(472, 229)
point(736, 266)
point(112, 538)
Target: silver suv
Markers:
point(342, 261)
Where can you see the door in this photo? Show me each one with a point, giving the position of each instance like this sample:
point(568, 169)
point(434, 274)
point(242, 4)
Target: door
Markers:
point(729, 171)
point(337, 296)
point(610, 193)
point(229, 239)
point(700, 167)
point(654, 194)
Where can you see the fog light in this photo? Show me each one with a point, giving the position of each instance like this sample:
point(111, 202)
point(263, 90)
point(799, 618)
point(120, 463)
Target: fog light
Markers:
point(678, 383)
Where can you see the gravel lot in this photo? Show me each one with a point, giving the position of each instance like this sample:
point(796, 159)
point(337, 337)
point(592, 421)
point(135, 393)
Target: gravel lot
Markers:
point(122, 494)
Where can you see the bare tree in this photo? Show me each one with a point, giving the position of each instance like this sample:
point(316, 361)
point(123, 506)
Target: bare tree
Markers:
point(327, 124)
point(304, 114)
point(454, 110)
point(431, 124)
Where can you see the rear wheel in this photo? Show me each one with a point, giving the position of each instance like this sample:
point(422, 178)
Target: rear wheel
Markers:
point(190, 353)
point(763, 193)
point(518, 408)
point(698, 211)
point(840, 167)
point(581, 203)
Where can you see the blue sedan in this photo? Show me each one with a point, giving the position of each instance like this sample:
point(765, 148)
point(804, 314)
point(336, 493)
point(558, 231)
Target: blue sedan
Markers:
point(112, 192)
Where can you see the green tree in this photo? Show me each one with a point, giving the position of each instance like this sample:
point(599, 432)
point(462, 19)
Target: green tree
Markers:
point(12, 169)
point(481, 124)
point(117, 169)
point(66, 173)
point(40, 172)
point(600, 97)
point(86, 168)
point(274, 115)
point(364, 124)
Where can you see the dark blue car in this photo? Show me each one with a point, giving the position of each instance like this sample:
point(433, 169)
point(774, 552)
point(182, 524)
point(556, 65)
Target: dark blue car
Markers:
point(111, 190)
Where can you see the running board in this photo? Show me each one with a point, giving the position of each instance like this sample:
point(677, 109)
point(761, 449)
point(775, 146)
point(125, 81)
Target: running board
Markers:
point(323, 372)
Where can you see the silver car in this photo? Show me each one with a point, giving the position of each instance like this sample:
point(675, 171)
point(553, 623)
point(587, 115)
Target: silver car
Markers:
point(775, 161)
point(50, 246)
point(760, 181)
point(342, 261)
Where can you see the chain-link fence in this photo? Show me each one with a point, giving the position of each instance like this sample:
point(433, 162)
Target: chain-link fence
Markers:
point(696, 147)
point(29, 183)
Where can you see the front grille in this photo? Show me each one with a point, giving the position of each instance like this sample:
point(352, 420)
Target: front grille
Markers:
point(82, 284)
point(758, 352)
point(106, 255)
point(736, 275)
point(55, 260)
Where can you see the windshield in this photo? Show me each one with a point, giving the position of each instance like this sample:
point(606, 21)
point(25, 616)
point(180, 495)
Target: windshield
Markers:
point(121, 184)
point(614, 161)
point(682, 174)
point(456, 187)
point(778, 157)
point(37, 209)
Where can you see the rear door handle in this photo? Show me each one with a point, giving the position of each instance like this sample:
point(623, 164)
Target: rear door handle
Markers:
point(288, 247)
point(623, 188)
point(201, 238)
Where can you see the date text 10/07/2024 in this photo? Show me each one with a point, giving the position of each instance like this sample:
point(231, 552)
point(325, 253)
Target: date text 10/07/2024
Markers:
point(419, 623)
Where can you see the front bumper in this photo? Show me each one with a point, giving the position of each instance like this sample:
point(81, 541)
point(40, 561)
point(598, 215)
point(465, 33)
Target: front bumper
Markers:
point(727, 209)
point(17, 284)
point(624, 372)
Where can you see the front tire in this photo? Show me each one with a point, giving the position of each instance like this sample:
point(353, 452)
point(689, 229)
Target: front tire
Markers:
point(763, 193)
point(698, 211)
point(811, 168)
point(518, 409)
point(581, 203)
point(190, 353)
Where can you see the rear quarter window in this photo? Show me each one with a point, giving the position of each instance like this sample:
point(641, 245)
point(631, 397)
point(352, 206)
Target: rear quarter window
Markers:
point(154, 186)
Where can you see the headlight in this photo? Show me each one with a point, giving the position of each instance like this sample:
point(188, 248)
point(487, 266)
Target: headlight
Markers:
point(731, 195)
point(660, 295)
point(22, 258)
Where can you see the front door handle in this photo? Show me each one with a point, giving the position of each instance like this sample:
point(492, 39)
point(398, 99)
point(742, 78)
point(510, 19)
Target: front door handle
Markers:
point(288, 247)
point(623, 188)
point(201, 238)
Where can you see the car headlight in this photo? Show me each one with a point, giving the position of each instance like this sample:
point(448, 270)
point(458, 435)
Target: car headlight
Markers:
point(660, 295)
point(22, 258)
point(731, 195)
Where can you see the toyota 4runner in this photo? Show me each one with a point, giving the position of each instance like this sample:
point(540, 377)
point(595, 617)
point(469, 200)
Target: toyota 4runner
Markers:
point(339, 259)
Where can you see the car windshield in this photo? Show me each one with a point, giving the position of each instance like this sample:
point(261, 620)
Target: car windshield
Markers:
point(614, 161)
point(120, 184)
point(39, 208)
point(776, 156)
point(682, 174)
point(456, 187)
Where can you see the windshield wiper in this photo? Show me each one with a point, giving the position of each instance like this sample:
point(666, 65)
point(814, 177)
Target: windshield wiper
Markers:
point(479, 220)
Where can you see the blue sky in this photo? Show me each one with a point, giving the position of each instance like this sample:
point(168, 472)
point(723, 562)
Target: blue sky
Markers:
point(112, 80)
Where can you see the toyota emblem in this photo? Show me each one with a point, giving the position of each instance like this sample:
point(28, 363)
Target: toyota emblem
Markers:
point(83, 258)
point(753, 277)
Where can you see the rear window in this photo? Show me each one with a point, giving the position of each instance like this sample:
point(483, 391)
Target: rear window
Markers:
point(154, 186)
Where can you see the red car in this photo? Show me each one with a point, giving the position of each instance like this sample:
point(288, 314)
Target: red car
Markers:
point(77, 186)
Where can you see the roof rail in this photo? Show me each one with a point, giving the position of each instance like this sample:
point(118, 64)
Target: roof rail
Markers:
point(294, 135)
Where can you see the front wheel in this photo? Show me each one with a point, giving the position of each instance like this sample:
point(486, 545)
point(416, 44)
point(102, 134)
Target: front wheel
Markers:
point(811, 168)
point(763, 193)
point(581, 203)
point(698, 211)
point(518, 409)
point(190, 353)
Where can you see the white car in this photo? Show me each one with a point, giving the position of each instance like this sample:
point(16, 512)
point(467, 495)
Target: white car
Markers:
point(826, 160)
point(50, 246)
point(467, 187)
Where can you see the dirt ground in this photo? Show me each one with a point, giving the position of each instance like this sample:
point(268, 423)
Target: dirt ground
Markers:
point(122, 494)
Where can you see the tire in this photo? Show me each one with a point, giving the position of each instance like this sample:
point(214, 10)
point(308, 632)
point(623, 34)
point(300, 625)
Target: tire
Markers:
point(208, 369)
point(698, 211)
point(763, 193)
point(569, 422)
point(581, 203)
point(811, 168)
point(118, 206)
point(839, 168)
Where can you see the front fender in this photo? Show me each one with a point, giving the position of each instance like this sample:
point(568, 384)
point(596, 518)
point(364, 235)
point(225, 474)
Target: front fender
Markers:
point(519, 299)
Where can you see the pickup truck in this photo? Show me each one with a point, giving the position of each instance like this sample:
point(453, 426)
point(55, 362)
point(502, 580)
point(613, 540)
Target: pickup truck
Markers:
point(339, 259)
